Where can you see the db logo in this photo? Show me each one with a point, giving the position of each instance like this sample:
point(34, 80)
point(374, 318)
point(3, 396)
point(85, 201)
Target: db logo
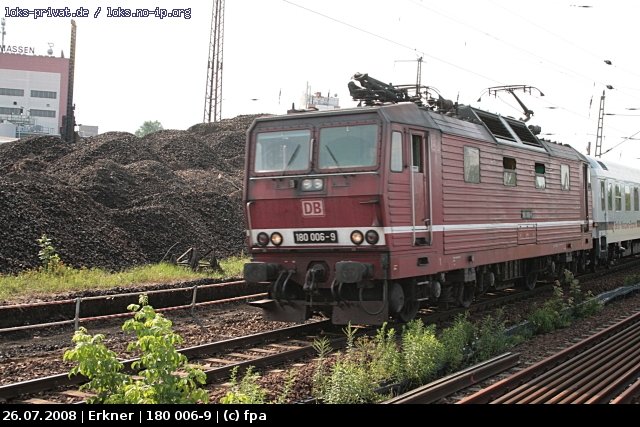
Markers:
point(312, 208)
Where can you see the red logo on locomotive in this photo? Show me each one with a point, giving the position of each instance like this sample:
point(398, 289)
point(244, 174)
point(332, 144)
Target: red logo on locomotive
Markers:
point(312, 208)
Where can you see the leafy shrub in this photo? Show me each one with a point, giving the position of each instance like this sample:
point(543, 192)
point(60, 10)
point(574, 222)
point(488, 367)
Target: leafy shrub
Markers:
point(632, 279)
point(320, 379)
point(422, 353)
point(583, 304)
point(164, 376)
point(491, 338)
point(350, 382)
point(49, 259)
point(386, 359)
point(457, 340)
point(247, 390)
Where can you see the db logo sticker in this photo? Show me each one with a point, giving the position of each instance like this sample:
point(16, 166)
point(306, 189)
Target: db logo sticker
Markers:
point(312, 208)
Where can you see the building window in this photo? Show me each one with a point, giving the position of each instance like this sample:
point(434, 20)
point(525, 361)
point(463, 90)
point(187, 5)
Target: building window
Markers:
point(509, 165)
point(602, 195)
point(618, 198)
point(610, 196)
point(396, 152)
point(10, 111)
point(636, 200)
point(541, 180)
point(564, 177)
point(11, 92)
point(471, 164)
point(627, 198)
point(43, 94)
point(42, 113)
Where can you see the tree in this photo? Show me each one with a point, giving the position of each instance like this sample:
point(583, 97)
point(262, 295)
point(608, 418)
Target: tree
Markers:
point(149, 127)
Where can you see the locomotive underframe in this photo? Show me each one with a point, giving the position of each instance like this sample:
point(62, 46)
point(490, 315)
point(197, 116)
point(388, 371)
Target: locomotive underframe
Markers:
point(362, 291)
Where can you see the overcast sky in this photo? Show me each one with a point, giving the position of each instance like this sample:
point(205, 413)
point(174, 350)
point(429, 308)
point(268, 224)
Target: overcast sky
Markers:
point(129, 70)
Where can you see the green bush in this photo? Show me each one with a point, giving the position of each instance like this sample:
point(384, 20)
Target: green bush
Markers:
point(386, 360)
point(583, 304)
point(491, 338)
point(457, 340)
point(164, 376)
point(247, 390)
point(632, 279)
point(49, 259)
point(320, 379)
point(422, 353)
point(350, 382)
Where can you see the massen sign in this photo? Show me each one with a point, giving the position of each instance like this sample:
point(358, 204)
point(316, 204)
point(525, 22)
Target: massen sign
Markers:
point(23, 50)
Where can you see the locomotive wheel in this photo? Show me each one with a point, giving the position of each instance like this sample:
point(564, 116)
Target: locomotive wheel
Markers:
point(409, 308)
point(409, 311)
point(484, 281)
point(464, 294)
point(396, 298)
point(530, 280)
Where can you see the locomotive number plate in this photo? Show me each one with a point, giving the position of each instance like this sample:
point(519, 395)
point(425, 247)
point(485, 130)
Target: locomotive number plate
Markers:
point(326, 236)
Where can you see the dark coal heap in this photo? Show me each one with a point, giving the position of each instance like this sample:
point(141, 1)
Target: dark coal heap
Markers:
point(116, 200)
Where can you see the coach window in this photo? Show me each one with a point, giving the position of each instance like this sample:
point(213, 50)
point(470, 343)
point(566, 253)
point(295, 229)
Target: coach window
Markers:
point(636, 201)
point(396, 152)
point(541, 180)
point(471, 165)
point(564, 177)
point(509, 165)
point(618, 198)
point(602, 195)
point(610, 196)
point(627, 198)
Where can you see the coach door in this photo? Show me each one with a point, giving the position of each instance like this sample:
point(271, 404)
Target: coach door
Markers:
point(420, 200)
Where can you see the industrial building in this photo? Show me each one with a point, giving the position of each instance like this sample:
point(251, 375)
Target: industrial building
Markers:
point(33, 93)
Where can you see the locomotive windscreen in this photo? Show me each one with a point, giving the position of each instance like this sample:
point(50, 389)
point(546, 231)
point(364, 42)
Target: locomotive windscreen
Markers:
point(348, 147)
point(283, 151)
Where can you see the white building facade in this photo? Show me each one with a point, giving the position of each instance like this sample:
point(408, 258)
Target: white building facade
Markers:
point(33, 93)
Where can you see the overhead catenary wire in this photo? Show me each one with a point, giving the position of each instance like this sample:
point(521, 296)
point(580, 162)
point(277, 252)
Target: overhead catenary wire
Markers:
point(397, 43)
point(558, 67)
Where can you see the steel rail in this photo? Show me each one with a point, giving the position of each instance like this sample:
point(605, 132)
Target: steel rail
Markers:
point(455, 382)
point(528, 379)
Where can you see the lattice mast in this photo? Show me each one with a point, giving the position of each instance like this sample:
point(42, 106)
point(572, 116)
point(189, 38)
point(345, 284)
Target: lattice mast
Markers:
point(69, 121)
point(213, 92)
point(598, 152)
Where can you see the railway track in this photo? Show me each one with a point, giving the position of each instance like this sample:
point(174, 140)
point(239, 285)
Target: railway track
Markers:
point(259, 350)
point(605, 368)
point(219, 358)
point(24, 317)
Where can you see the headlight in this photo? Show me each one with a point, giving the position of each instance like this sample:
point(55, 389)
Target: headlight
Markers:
point(372, 237)
point(316, 184)
point(263, 239)
point(276, 238)
point(357, 237)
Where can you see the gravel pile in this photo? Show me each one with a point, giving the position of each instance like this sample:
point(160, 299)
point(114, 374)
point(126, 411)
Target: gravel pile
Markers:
point(116, 200)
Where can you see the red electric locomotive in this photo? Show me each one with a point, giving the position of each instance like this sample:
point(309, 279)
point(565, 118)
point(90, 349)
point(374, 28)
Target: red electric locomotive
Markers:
point(365, 213)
